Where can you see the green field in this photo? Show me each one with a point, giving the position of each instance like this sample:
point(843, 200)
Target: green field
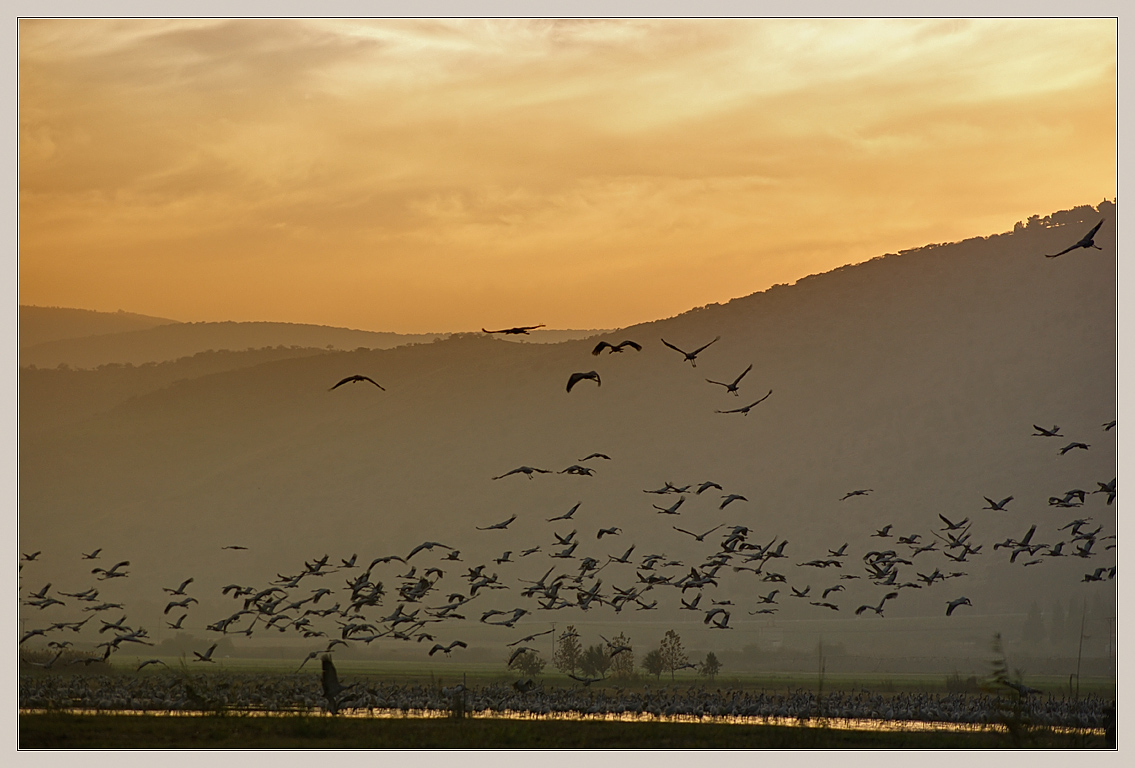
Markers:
point(65, 731)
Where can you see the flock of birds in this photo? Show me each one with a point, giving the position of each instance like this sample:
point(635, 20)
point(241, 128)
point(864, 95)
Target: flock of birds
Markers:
point(432, 588)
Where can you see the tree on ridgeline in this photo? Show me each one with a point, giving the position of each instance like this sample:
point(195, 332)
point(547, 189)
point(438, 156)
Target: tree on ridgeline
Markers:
point(673, 654)
point(710, 667)
point(568, 651)
point(595, 661)
point(622, 665)
point(653, 663)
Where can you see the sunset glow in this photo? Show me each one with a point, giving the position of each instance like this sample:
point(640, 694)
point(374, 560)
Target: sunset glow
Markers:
point(437, 175)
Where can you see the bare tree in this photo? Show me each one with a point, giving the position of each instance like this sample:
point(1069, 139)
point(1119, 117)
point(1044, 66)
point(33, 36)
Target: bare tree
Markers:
point(673, 654)
point(568, 651)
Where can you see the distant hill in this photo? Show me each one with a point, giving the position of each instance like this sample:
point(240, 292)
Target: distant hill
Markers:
point(164, 341)
point(52, 397)
point(917, 375)
point(39, 325)
point(170, 342)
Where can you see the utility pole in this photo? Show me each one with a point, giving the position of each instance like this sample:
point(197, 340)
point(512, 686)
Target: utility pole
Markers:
point(1080, 652)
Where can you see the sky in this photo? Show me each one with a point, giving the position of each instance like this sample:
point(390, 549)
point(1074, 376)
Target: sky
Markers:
point(446, 175)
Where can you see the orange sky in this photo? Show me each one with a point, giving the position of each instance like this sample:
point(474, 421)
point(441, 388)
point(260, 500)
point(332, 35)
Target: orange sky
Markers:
point(422, 176)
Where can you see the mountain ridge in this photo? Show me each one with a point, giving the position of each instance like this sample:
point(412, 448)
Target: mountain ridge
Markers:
point(918, 375)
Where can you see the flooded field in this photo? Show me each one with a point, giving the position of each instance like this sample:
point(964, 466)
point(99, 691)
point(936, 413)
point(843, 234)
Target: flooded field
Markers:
point(176, 693)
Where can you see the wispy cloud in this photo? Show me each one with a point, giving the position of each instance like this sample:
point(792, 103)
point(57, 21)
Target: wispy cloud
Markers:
point(429, 174)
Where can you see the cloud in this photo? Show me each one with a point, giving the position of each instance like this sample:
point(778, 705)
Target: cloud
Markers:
point(549, 153)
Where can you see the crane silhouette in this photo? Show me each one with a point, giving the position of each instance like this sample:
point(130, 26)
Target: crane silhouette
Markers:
point(207, 655)
point(520, 329)
point(180, 589)
point(612, 348)
point(1086, 241)
point(497, 526)
point(332, 688)
point(745, 410)
point(566, 515)
point(697, 537)
point(690, 357)
point(357, 378)
point(447, 649)
point(733, 388)
point(578, 377)
point(877, 609)
point(951, 605)
point(525, 470)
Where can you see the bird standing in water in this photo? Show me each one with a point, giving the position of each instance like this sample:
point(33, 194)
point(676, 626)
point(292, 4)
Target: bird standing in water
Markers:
point(331, 686)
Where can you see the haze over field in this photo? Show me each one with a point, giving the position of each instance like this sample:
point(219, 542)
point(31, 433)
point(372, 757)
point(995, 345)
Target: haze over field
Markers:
point(917, 375)
point(267, 269)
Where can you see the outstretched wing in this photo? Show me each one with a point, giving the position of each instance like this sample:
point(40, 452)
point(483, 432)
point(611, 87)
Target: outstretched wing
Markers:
point(358, 377)
point(600, 347)
point(633, 345)
point(762, 399)
point(673, 347)
point(699, 349)
point(737, 380)
point(577, 377)
point(1085, 241)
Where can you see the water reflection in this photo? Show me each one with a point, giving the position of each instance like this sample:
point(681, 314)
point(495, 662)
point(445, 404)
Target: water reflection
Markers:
point(834, 723)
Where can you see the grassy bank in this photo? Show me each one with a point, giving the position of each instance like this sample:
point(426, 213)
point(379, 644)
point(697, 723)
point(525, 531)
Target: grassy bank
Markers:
point(66, 731)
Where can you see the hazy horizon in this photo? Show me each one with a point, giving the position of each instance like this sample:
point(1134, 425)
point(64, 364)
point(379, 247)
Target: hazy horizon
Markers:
point(442, 331)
